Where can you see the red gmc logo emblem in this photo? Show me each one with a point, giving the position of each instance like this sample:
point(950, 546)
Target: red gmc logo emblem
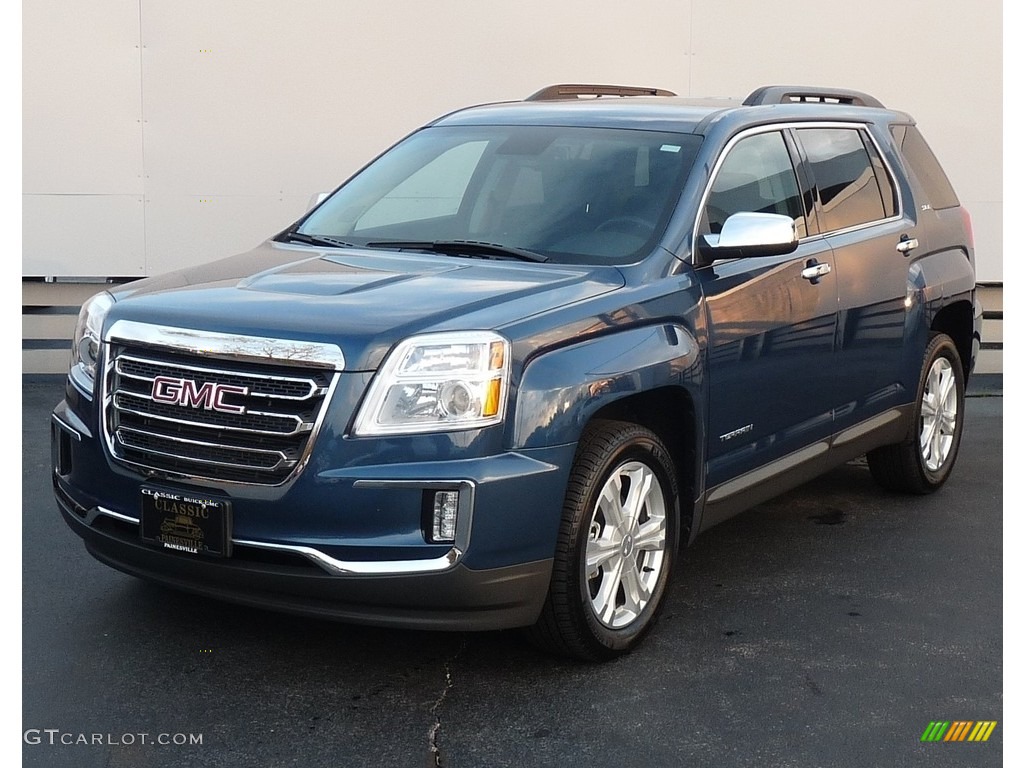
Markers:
point(209, 396)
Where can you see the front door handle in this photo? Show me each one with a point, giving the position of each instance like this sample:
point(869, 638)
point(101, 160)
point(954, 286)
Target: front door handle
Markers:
point(814, 271)
point(906, 245)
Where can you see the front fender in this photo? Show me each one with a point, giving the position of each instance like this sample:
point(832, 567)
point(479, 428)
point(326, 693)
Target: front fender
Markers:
point(561, 390)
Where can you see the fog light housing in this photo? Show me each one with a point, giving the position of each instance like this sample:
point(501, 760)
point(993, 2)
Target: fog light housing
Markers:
point(445, 516)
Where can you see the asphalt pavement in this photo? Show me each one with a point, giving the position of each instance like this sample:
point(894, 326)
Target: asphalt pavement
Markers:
point(828, 627)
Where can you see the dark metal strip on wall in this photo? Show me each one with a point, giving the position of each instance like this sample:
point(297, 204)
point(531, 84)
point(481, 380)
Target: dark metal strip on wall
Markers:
point(68, 309)
point(45, 344)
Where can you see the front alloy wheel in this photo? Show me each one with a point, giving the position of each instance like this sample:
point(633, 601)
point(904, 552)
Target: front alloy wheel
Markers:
point(616, 544)
point(626, 545)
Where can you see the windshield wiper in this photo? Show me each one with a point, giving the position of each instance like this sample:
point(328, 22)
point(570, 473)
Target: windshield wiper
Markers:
point(472, 248)
point(327, 240)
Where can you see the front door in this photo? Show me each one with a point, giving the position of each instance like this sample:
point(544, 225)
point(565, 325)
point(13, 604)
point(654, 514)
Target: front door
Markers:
point(771, 330)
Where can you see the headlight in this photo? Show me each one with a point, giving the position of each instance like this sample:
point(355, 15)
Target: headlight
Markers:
point(85, 352)
point(438, 382)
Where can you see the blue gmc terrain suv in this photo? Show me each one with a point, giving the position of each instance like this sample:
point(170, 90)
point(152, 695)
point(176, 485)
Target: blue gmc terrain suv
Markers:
point(499, 376)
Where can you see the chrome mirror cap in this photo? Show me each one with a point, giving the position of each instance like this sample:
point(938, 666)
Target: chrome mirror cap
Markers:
point(751, 234)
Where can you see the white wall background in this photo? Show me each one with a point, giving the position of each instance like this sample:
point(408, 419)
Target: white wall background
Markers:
point(159, 133)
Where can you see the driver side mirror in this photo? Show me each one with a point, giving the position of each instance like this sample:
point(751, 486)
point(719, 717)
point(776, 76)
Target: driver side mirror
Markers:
point(746, 234)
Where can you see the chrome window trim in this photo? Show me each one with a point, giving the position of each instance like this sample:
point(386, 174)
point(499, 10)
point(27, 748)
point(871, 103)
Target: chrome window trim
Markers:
point(331, 565)
point(859, 126)
point(229, 346)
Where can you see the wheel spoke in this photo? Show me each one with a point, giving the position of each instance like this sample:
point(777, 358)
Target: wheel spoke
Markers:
point(927, 431)
point(948, 423)
point(928, 407)
point(636, 592)
point(610, 503)
point(651, 535)
point(947, 384)
point(599, 552)
point(639, 489)
point(604, 600)
point(938, 455)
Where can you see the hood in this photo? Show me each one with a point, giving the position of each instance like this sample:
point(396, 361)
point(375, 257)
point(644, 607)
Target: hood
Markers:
point(363, 300)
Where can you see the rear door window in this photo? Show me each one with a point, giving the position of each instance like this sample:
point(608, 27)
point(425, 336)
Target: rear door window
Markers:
point(844, 174)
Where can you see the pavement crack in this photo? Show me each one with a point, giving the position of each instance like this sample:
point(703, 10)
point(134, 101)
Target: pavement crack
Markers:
point(433, 748)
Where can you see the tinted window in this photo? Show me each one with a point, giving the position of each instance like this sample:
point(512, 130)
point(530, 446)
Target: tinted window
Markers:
point(844, 175)
point(886, 185)
point(757, 175)
point(576, 195)
point(434, 190)
point(925, 167)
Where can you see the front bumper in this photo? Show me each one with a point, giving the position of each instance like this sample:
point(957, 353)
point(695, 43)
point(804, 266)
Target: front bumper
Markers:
point(457, 598)
point(345, 540)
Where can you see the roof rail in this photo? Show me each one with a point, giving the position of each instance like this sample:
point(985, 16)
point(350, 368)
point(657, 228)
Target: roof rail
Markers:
point(790, 94)
point(575, 90)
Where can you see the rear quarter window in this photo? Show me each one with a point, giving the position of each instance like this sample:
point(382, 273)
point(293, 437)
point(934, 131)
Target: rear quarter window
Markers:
point(925, 167)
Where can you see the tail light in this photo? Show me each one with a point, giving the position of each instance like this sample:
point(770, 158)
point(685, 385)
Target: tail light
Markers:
point(968, 227)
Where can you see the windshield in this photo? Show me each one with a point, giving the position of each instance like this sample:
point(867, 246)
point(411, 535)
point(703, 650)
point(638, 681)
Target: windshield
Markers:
point(573, 195)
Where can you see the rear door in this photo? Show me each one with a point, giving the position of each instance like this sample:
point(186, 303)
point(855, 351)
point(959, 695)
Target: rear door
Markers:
point(873, 244)
point(771, 326)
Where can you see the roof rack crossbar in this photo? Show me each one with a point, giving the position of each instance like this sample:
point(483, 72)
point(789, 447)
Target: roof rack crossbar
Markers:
point(575, 90)
point(796, 94)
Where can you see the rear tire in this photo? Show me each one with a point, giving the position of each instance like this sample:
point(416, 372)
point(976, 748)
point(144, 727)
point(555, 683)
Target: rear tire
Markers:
point(923, 462)
point(616, 544)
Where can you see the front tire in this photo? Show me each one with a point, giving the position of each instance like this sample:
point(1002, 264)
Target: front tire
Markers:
point(616, 544)
point(924, 461)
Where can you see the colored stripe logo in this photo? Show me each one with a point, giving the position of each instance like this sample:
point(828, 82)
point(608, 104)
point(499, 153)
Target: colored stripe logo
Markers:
point(958, 730)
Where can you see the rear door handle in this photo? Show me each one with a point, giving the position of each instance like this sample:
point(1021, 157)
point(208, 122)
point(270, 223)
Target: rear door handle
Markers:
point(814, 271)
point(906, 245)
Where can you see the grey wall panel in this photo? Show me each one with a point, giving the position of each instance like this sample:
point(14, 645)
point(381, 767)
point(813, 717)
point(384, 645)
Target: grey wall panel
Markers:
point(45, 360)
point(292, 98)
point(81, 98)
point(184, 230)
point(276, 101)
point(82, 235)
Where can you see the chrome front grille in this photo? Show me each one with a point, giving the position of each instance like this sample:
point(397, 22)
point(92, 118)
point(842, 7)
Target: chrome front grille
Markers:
point(259, 431)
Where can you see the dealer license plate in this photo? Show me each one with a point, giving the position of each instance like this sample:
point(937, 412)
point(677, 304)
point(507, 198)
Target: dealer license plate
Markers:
point(186, 521)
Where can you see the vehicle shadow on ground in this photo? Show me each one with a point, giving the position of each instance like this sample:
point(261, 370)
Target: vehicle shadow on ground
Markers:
point(231, 633)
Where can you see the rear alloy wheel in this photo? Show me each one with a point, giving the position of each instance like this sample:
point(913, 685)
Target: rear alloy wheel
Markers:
point(923, 462)
point(616, 544)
